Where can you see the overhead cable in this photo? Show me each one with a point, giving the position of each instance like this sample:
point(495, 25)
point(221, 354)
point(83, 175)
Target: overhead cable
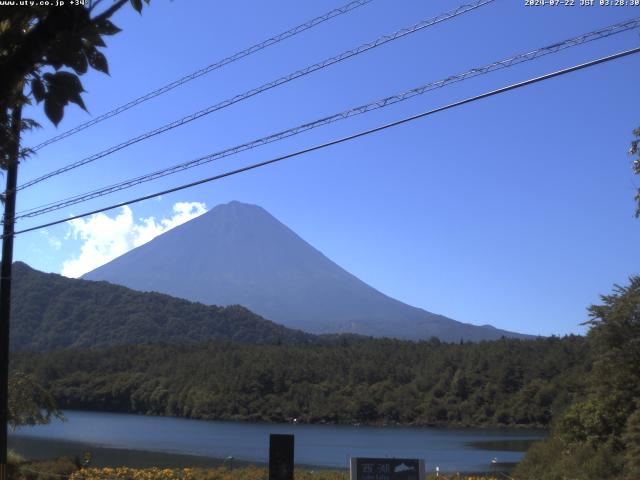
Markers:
point(214, 66)
point(267, 86)
point(377, 104)
point(343, 139)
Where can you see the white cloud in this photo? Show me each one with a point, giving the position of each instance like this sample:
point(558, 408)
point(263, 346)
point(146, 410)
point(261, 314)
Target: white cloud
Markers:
point(54, 242)
point(105, 238)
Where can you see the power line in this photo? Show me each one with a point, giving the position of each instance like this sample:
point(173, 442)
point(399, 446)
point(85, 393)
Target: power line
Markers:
point(594, 35)
point(267, 86)
point(381, 103)
point(214, 66)
point(345, 139)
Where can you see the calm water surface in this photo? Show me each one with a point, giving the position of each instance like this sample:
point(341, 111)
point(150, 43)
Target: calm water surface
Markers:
point(452, 450)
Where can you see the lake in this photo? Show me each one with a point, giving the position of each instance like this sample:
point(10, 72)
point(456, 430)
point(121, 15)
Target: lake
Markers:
point(138, 440)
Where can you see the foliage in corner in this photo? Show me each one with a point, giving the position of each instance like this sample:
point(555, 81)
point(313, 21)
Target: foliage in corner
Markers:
point(29, 402)
point(635, 151)
point(43, 52)
point(598, 438)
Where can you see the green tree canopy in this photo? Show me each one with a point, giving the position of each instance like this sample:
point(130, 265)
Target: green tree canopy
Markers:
point(598, 437)
point(635, 151)
point(29, 402)
point(43, 51)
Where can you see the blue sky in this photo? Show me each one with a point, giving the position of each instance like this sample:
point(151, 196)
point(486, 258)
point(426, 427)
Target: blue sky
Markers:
point(516, 211)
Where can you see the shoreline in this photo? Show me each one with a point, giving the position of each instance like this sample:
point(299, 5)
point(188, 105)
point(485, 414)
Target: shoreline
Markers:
point(31, 448)
point(138, 441)
point(300, 421)
point(103, 456)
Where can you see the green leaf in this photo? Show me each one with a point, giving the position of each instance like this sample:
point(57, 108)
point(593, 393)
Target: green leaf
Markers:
point(94, 38)
point(78, 62)
point(105, 27)
point(137, 4)
point(77, 99)
point(29, 124)
point(54, 61)
point(98, 61)
point(64, 85)
point(67, 50)
point(54, 109)
point(37, 88)
point(67, 80)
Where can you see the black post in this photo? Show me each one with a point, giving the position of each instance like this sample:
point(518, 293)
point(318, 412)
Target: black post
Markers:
point(280, 457)
point(5, 283)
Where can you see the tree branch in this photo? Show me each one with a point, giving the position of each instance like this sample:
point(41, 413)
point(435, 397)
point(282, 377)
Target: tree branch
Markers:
point(110, 11)
point(29, 54)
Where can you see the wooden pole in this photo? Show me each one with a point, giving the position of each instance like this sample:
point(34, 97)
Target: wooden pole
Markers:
point(5, 282)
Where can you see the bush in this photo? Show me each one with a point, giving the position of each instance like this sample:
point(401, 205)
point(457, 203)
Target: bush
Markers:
point(57, 469)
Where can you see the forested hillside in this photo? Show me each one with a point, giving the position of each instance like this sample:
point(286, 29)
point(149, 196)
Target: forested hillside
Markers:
point(50, 311)
point(598, 436)
point(504, 382)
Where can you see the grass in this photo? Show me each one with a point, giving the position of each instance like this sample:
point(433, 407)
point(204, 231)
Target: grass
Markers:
point(14, 458)
point(222, 473)
point(67, 469)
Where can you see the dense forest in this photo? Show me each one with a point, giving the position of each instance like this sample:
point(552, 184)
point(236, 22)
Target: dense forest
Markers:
point(505, 382)
point(598, 436)
point(67, 312)
point(586, 389)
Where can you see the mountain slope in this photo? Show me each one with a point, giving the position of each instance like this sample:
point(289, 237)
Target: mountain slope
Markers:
point(50, 312)
point(240, 254)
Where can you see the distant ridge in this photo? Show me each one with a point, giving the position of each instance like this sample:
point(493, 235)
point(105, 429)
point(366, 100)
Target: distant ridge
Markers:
point(240, 254)
point(51, 312)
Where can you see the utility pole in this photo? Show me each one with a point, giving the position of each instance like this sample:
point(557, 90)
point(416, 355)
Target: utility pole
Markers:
point(5, 281)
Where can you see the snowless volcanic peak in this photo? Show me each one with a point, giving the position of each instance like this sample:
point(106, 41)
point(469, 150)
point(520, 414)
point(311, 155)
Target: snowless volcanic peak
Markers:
point(240, 254)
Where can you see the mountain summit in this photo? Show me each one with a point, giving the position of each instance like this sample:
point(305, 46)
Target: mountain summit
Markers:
point(240, 254)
